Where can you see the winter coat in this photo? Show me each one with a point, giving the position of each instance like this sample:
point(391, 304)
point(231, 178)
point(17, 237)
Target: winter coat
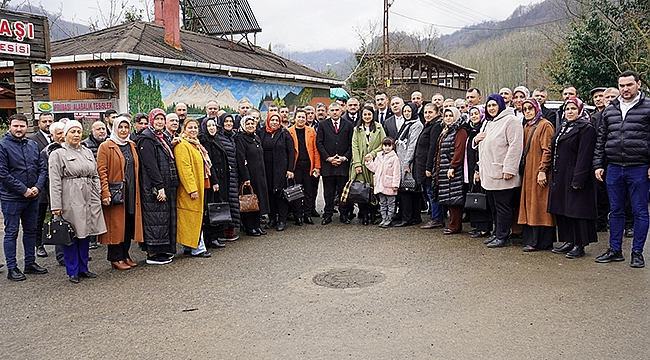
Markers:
point(500, 151)
point(283, 159)
point(75, 189)
point(406, 143)
point(191, 174)
point(310, 143)
point(158, 171)
point(220, 170)
point(426, 151)
point(21, 168)
point(451, 155)
point(110, 168)
point(387, 170)
point(361, 147)
point(624, 142)
point(250, 161)
point(227, 140)
point(571, 167)
point(91, 143)
point(331, 143)
point(534, 198)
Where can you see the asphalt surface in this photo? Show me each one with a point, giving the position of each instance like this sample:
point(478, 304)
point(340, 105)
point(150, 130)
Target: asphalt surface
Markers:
point(442, 297)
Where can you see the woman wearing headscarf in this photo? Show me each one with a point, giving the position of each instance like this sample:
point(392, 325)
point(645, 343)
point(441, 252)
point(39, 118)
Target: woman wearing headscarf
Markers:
point(75, 195)
point(539, 225)
point(226, 136)
point(219, 178)
point(500, 146)
point(572, 194)
point(405, 142)
point(193, 164)
point(519, 94)
point(250, 161)
point(450, 168)
point(481, 220)
point(158, 183)
point(279, 156)
point(117, 162)
point(366, 143)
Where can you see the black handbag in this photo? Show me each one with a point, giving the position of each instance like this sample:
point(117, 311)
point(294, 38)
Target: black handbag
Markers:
point(293, 192)
point(117, 192)
point(409, 184)
point(217, 212)
point(475, 200)
point(57, 232)
point(359, 192)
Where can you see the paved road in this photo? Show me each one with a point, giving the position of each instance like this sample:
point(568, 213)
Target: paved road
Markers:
point(443, 297)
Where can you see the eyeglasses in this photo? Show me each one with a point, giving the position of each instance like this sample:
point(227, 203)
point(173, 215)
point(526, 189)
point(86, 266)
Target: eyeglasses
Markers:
point(528, 108)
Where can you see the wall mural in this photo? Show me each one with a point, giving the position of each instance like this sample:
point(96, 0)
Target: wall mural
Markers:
point(150, 89)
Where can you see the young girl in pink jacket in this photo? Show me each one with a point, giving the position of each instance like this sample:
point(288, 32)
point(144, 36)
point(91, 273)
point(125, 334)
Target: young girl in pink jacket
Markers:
point(387, 170)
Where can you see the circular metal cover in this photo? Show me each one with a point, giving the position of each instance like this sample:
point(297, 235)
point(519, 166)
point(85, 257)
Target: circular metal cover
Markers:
point(348, 278)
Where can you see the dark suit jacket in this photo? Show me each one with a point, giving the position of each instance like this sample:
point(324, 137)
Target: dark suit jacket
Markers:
point(389, 113)
point(330, 143)
point(390, 127)
point(40, 139)
point(347, 117)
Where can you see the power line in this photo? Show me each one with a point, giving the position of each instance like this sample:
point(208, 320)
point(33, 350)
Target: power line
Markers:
point(477, 28)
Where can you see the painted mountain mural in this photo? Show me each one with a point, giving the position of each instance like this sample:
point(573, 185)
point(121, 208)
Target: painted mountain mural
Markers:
point(167, 88)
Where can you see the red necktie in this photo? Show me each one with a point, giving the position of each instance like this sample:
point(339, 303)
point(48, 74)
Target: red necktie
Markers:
point(336, 126)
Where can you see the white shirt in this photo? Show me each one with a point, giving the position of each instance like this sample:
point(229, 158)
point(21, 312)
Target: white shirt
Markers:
point(627, 106)
point(47, 136)
point(399, 121)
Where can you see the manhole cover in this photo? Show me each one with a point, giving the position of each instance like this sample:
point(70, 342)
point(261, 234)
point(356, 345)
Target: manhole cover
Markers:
point(348, 278)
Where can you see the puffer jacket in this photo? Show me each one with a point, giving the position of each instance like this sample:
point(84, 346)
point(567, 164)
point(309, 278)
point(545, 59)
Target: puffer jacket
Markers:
point(624, 142)
point(21, 168)
point(92, 144)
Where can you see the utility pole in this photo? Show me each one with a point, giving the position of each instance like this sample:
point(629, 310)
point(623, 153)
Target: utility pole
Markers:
point(385, 62)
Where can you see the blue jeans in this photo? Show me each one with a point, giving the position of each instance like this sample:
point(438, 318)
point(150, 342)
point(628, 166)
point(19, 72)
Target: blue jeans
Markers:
point(621, 181)
point(436, 208)
point(199, 249)
point(14, 213)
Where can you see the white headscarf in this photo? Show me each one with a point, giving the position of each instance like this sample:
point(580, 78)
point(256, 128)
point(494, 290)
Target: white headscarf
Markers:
point(70, 124)
point(116, 124)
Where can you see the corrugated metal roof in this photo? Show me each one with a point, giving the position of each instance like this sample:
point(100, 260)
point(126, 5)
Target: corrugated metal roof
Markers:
point(220, 17)
point(143, 38)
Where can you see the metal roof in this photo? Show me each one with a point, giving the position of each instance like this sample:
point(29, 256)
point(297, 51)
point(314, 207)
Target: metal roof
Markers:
point(426, 56)
point(219, 17)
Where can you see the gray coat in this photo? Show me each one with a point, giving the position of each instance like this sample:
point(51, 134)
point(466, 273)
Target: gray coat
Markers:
point(75, 189)
point(407, 142)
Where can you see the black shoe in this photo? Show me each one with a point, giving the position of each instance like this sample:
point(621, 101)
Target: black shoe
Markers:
point(217, 244)
point(253, 232)
point(262, 232)
point(565, 248)
point(402, 224)
point(232, 238)
point(33, 268)
point(281, 226)
point(637, 260)
point(187, 252)
point(204, 254)
point(449, 232)
point(308, 220)
point(490, 239)
point(344, 219)
point(326, 220)
point(315, 214)
point(609, 256)
point(629, 233)
point(497, 243)
point(298, 221)
point(41, 252)
point(87, 275)
point(480, 234)
point(291, 217)
point(16, 275)
point(61, 262)
point(576, 252)
point(74, 279)
point(365, 221)
point(271, 224)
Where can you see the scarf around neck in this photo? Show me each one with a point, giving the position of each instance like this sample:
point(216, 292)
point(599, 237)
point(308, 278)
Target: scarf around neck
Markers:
point(204, 153)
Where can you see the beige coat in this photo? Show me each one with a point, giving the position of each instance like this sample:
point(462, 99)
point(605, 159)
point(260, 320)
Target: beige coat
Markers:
point(75, 189)
point(500, 151)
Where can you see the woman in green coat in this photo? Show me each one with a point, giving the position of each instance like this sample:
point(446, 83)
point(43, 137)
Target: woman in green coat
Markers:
point(366, 143)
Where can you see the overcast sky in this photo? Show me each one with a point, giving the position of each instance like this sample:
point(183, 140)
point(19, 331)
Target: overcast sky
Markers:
point(305, 25)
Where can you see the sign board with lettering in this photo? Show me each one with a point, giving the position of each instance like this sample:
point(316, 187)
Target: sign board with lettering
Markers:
point(24, 36)
point(84, 106)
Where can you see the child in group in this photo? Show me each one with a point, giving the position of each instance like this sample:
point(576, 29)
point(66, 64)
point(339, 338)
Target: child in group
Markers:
point(387, 170)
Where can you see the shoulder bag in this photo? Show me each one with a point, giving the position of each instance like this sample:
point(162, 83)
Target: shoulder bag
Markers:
point(248, 202)
point(117, 192)
point(522, 162)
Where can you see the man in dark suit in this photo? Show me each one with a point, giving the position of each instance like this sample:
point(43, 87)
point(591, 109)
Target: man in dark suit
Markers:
point(43, 139)
point(416, 98)
point(395, 121)
point(334, 142)
point(383, 111)
point(353, 111)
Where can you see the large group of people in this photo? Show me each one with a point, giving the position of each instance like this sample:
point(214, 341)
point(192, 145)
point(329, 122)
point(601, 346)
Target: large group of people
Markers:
point(545, 175)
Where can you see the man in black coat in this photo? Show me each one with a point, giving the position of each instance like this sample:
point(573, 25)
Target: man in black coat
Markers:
point(353, 111)
point(334, 142)
point(383, 110)
point(569, 91)
point(623, 147)
point(602, 200)
point(96, 137)
point(540, 94)
point(391, 127)
point(43, 139)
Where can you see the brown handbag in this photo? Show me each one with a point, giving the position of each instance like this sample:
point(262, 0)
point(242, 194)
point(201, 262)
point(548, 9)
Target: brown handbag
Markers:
point(248, 202)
